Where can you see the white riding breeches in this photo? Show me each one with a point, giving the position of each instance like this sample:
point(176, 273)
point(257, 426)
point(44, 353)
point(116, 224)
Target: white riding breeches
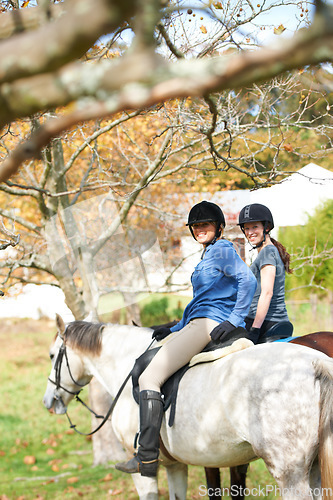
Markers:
point(176, 352)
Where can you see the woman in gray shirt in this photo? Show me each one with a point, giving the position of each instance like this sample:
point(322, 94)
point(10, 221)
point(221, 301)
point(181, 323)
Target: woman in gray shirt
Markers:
point(268, 305)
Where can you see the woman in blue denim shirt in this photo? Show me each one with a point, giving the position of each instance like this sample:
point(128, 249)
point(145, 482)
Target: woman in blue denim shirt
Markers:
point(223, 287)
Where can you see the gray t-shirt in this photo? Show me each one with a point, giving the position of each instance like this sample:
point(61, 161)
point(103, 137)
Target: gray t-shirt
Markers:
point(269, 255)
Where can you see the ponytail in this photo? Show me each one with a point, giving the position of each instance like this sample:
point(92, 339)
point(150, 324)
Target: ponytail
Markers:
point(285, 257)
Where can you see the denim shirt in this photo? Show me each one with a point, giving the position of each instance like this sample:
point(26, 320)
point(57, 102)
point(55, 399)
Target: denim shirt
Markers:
point(223, 287)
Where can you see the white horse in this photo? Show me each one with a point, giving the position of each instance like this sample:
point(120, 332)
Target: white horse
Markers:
point(273, 402)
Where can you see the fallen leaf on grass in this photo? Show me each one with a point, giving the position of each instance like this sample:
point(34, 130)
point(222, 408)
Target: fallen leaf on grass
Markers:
point(18, 442)
point(55, 461)
point(108, 477)
point(50, 451)
point(113, 493)
point(29, 460)
point(2, 454)
point(72, 480)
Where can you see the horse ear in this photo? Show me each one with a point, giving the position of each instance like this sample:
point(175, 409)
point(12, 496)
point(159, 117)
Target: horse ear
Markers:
point(60, 325)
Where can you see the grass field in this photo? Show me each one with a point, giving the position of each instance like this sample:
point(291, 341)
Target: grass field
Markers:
point(40, 457)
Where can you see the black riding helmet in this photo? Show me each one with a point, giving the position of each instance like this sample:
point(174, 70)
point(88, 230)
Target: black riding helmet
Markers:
point(256, 213)
point(205, 211)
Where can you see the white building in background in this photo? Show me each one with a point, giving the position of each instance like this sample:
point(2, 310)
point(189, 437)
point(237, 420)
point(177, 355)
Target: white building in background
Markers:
point(297, 196)
point(291, 202)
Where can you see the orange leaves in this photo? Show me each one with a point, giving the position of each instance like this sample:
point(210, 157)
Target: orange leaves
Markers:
point(51, 442)
point(288, 147)
point(107, 478)
point(29, 460)
point(114, 493)
point(279, 30)
point(72, 480)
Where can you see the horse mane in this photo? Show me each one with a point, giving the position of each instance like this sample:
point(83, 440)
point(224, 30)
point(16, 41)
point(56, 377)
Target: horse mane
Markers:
point(84, 336)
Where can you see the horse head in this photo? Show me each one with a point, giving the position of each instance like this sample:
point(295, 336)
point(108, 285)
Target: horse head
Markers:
point(67, 376)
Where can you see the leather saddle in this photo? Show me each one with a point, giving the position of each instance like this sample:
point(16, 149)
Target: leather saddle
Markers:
point(170, 387)
point(279, 331)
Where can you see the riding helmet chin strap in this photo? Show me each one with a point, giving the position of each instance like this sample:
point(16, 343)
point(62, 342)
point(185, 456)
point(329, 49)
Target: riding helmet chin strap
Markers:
point(217, 235)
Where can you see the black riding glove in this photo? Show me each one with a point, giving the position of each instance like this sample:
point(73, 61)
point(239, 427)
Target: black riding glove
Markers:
point(161, 332)
point(221, 331)
point(254, 334)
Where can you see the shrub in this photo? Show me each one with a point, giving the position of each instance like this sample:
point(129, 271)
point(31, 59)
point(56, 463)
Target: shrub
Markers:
point(155, 312)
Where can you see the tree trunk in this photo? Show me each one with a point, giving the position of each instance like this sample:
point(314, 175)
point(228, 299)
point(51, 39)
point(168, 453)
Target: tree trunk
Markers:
point(132, 308)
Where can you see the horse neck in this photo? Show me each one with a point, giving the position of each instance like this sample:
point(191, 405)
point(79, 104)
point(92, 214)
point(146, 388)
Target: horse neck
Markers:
point(121, 346)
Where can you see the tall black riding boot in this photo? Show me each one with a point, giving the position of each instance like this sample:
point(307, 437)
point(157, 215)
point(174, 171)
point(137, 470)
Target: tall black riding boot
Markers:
point(151, 414)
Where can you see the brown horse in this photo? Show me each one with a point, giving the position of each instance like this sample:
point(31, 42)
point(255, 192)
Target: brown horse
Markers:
point(321, 341)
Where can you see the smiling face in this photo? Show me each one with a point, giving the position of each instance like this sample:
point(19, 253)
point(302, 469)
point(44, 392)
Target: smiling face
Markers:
point(254, 232)
point(204, 232)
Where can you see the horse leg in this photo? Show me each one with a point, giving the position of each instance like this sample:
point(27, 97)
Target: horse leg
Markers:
point(290, 489)
point(238, 481)
point(177, 480)
point(213, 481)
point(293, 479)
point(146, 487)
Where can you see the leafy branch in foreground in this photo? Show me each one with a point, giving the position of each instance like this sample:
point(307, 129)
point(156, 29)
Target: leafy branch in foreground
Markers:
point(55, 73)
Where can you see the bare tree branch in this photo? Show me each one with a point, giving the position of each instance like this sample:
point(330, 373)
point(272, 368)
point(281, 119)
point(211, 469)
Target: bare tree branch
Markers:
point(17, 21)
point(142, 79)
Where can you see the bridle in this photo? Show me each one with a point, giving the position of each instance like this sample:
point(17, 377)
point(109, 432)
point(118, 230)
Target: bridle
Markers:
point(57, 368)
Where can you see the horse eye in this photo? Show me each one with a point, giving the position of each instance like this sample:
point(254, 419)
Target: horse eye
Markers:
point(51, 356)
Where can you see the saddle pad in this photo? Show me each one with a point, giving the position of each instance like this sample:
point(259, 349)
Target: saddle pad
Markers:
point(170, 387)
point(207, 357)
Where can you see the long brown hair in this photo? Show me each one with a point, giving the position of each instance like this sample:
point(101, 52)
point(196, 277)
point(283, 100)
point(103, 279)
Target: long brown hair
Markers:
point(285, 257)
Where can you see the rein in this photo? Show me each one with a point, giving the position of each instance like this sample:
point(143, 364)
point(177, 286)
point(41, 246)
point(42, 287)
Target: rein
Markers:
point(57, 367)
